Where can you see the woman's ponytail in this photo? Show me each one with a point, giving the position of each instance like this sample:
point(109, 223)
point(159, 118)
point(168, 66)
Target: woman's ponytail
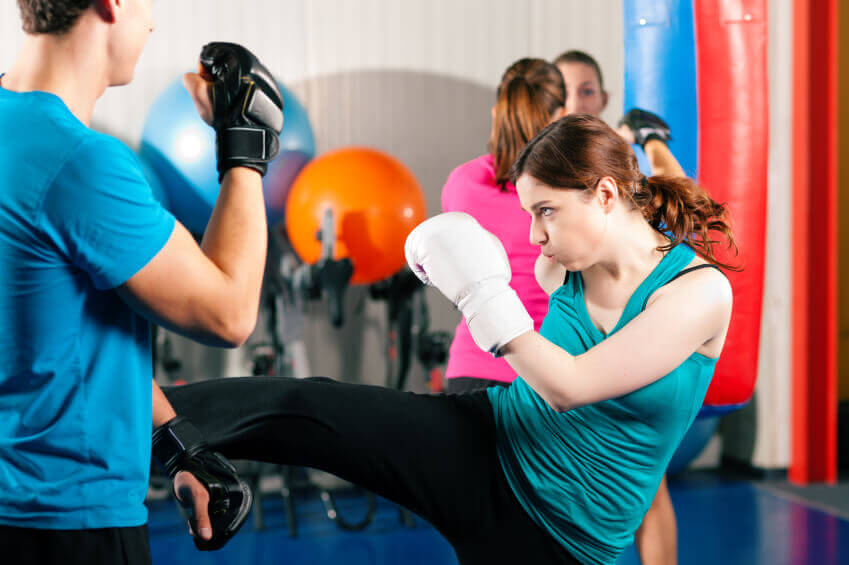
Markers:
point(531, 91)
point(683, 210)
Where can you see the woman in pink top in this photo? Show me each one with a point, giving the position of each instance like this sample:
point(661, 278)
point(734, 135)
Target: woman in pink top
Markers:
point(530, 96)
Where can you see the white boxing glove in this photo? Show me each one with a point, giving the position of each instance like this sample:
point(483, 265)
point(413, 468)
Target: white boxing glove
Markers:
point(468, 265)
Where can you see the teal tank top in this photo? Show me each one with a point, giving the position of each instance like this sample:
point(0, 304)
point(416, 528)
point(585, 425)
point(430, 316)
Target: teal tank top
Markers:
point(589, 475)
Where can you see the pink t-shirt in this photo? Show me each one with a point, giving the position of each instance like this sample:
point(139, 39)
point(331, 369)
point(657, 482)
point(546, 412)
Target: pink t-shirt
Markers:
point(471, 188)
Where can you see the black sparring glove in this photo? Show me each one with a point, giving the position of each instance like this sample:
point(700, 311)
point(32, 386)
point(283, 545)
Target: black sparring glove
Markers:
point(179, 446)
point(645, 126)
point(247, 107)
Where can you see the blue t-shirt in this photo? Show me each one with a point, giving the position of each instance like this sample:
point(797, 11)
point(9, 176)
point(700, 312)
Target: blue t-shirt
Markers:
point(589, 475)
point(77, 219)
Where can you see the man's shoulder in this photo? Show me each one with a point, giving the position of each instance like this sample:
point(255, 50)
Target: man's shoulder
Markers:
point(95, 153)
point(99, 146)
point(95, 166)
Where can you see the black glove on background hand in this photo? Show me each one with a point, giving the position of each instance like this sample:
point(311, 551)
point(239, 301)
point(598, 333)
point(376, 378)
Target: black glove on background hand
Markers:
point(247, 107)
point(645, 126)
point(179, 446)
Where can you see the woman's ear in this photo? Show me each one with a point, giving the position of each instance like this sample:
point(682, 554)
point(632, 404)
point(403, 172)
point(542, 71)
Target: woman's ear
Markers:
point(607, 192)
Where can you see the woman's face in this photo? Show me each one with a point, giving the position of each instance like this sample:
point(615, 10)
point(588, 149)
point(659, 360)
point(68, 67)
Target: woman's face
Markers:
point(568, 224)
point(583, 91)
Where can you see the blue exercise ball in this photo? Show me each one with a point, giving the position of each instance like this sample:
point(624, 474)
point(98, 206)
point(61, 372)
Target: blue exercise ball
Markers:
point(180, 148)
point(694, 442)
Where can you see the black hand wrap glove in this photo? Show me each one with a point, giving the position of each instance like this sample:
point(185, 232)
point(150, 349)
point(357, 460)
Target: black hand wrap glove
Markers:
point(247, 107)
point(179, 446)
point(645, 126)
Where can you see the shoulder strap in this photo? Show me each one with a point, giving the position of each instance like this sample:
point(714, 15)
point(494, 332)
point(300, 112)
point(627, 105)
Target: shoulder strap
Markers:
point(696, 268)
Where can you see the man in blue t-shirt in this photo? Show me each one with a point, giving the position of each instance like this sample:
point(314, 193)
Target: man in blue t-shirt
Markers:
point(87, 257)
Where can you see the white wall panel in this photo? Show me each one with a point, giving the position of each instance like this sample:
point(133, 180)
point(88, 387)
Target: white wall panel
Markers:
point(772, 446)
point(595, 27)
point(760, 433)
point(10, 33)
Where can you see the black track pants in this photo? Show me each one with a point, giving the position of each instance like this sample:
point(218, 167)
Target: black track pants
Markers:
point(433, 454)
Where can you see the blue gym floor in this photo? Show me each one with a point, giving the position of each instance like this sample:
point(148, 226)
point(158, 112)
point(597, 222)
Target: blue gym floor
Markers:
point(719, 522)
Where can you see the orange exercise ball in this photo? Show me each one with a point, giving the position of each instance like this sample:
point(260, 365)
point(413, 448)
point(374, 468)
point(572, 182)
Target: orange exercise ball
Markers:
point(375, 200)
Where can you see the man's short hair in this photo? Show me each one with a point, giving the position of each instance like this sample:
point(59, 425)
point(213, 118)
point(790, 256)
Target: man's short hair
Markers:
point(51, 16)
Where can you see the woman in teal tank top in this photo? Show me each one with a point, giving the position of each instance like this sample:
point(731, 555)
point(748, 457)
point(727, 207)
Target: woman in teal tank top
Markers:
point(561, 466)
point(624, 357)
point(629, 439)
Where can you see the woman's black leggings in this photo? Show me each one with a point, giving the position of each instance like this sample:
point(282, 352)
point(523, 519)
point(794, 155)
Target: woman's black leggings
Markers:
point(433, 454)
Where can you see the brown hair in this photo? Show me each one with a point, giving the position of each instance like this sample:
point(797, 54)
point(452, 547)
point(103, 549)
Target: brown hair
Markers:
point(51, 16)
point(580, 149)
point(531, 90)
point(575, 56)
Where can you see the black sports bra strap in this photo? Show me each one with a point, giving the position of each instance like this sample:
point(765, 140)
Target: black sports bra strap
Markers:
point(680, 274)
point(690, 269)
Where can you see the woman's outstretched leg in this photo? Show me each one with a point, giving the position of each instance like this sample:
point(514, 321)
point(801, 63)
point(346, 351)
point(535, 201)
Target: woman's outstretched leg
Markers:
point(434, 454)
point(412, 449)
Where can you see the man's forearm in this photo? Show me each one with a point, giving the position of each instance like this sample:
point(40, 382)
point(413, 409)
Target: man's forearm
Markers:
point(236, 238)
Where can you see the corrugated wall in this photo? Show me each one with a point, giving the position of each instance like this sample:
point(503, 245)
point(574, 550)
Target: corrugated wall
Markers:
point(471, 40)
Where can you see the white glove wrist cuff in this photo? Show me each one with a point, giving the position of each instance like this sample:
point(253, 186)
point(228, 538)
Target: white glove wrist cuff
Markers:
point(498, 321)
